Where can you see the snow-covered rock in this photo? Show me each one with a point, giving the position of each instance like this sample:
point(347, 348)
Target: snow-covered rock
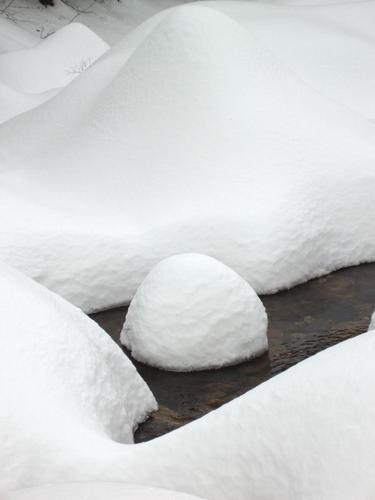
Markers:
point(52, 63)
point(194, 134)
point(191, 313)
point(64, 384)
point(96, 491)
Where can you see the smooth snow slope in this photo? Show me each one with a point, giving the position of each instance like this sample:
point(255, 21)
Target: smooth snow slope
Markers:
point(96, 491)
point(64, 383)
point(190, 136)
point(110, 19)
point(52, 63)
point(13, 37)
point(307, 433)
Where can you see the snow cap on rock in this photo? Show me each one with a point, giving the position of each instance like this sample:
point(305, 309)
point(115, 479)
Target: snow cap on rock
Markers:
point(192, 312)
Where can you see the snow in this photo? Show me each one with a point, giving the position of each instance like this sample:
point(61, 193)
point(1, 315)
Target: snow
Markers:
point(110, 19)
point(192, 135)
point(52, 63)
point(95, 491)
point(64, 384)
point(290, 438)
point(14, 38)
point(372, 323)
point(191, 313)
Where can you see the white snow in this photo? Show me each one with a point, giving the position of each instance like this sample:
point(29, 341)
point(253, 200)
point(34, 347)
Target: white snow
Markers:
point(64, 384)
point(372, 323)
point(14, 38)
point(52, 63)
point(192, 135)
point(290, 438)
point(110, 19)
point(191, 313)
point(96, 491)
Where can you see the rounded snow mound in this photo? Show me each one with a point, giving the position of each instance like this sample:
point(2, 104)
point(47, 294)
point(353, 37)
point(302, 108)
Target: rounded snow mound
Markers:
point(96, 491)
point(192, 312)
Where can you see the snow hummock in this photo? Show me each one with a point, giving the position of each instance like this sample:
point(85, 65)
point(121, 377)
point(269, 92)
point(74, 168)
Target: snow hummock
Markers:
point(64, 384)
point(198, 134)
point(191, 313)
point(96, 491)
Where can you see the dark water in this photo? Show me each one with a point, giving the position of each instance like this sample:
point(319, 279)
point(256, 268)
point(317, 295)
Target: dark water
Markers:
point(302, 322)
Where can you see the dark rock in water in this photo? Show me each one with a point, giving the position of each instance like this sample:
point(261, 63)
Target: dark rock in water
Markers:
point(302, 322)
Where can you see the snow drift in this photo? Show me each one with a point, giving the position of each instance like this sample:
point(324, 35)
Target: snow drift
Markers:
point(196, 135)
point(64, 383)
point(62, 389)
point(193, 313)
point(52, 63)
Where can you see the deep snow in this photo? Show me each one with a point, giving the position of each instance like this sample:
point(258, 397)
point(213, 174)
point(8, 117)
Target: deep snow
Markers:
point(192, 313)
point(290, 438)
point(31, 72)
point(64, 383)
point(195, 135)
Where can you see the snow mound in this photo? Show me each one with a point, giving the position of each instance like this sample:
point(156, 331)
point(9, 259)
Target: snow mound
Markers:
point(191, 313)
point(96, 491)
point(192, 135)
point(64, 384)
point(52, 63)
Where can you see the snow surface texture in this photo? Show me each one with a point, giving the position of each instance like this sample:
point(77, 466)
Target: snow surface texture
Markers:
point(192, 313)
point(195, 135)
point(64, 384)
point(290, 438)
point(95, 491)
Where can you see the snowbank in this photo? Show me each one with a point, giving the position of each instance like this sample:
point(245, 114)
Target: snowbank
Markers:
point(64, 384)
point(95, 491)
point(191, 313)
point(192, 135)
point(290, 438)
point(52, 63)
